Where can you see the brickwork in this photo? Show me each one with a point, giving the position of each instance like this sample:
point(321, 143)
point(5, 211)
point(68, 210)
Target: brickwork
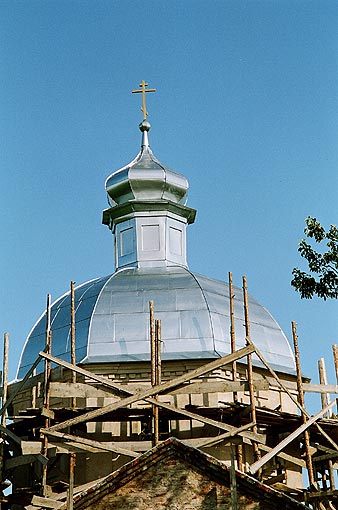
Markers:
point(175, 476)
point(172, 485)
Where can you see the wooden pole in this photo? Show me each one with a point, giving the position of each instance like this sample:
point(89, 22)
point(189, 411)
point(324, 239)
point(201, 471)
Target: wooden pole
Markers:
point(153, 370)
point(5, 376)
point(70, 491)
point(335, 359)
point(34, 392)
point(257, 454)
point(156, 433)
point(4, 398)
point(72, 335)
point(301, 401)
point(323, 380)
point(232, 333)
point(233, 482)
point(158, 329)
point(46, 392)
point(72, 457)
point(48, 351)
point(157, 363)
point(152, 342)
point(325, 399)
point(239, 448)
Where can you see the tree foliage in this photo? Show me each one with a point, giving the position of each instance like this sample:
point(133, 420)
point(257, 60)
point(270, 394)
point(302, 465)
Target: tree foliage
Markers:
point(322, 278)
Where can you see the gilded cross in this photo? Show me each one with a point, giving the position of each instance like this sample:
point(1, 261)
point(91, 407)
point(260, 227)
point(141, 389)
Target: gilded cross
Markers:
point(143, 91)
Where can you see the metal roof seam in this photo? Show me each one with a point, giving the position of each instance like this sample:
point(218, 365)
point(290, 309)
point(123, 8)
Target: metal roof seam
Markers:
point(208, 308)
point(93, 312)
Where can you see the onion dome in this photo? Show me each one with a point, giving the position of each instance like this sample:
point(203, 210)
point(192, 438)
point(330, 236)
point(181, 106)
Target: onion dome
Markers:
point(146, 178)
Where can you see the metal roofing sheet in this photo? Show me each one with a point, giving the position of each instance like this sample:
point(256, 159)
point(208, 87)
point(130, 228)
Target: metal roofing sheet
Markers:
point(112, 320)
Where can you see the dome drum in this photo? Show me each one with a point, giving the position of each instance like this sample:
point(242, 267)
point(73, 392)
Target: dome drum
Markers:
point(149, 234)
point(148, 241)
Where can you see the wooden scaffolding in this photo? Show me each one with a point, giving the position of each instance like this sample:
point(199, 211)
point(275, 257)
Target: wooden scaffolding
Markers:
point(45, 416)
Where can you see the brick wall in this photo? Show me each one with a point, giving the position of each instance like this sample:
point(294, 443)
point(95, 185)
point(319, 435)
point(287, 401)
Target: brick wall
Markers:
point(171, 485)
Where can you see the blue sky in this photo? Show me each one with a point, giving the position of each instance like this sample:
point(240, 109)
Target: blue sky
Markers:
point(246, 107)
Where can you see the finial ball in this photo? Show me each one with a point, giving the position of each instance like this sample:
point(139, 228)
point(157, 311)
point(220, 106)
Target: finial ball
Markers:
point(144, 126)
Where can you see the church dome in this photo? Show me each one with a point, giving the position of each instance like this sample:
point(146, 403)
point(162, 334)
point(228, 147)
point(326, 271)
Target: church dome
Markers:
point(146, 178)
point(112, 321)
point(148, 218)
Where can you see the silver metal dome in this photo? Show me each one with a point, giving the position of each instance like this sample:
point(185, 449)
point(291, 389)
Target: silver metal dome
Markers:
point(112, 320)
point(146, 178)
point(148, 218)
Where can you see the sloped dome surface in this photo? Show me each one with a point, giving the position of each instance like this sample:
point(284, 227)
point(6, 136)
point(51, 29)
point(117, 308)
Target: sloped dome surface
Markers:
point(112, 320)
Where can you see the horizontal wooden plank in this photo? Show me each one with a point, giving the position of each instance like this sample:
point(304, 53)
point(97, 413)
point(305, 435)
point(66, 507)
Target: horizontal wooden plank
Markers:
point(30, 447)
point(322, 494)
point(66, 447)
point(135, 446)
point(325, 456)
point(46, 502)
point(291, 491)
point(143, 446)
point(79, 390)
point(111, 447)
point(308, 387)
point(83, 390)
point(219, 387)
point(34, 447)
point(275, 479)
point(320, 388)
